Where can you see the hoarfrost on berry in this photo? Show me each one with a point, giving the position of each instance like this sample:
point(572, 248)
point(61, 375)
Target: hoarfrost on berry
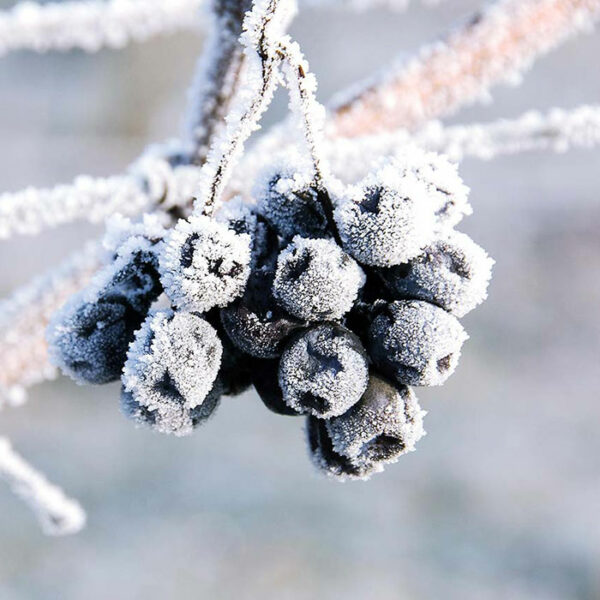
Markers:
point(386, 423)
point(171, 367)
point(452, 273)
point(416, 343)
point(388, 217)
point(316, 280)
point(324, 371)
point(204, 264)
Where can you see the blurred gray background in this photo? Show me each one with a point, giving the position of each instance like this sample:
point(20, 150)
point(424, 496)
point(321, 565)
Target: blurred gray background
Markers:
point(501, 499)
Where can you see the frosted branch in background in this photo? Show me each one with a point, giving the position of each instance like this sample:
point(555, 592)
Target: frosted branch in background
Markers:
point(558, 130)
point(57, 513)
point(92, 24)
point(217, 76)
point(364, 5)
point(150, 181)
point(24, 317)
point(495, 46)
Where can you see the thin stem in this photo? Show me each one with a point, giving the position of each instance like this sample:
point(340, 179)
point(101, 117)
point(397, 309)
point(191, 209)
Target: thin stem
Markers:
point(301, 86)
point(57, 513)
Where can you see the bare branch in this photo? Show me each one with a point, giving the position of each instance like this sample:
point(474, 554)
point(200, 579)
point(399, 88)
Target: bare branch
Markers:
point(57, 513)
point(494, 46)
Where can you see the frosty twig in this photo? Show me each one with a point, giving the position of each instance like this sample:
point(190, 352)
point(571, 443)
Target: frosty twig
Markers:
point(492, 47)
point(24, 317)
point(217, 76)
point(262, 28)
point(57, 513)
point(92, 24)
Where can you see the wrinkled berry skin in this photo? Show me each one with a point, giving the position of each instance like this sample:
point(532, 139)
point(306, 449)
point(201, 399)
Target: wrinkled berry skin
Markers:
point(415, 343)
point(266, 383)
point(92, 341)
point(256, 324)
point(235, 372)
point(323, 371)
point(293, 206)
point(191, 418)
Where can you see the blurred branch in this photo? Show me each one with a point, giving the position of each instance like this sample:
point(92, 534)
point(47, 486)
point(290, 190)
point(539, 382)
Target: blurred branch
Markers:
point(57, 513)
point(149, 182)
point(24, 317)
point(92, 24)
point(217, 76)
point(496, 45)
point(558, 130)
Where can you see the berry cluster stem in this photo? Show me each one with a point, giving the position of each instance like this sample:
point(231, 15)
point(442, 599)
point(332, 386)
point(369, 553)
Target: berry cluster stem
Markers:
point(259, 43)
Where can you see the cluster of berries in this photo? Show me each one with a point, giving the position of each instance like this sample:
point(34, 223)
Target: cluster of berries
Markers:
point(331, 303)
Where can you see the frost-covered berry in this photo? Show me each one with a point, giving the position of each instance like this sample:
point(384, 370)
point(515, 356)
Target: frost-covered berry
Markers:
point(386, 423)
point(244, 219)
point(323, 371)
point(204, 264)
point(265, 379)
point(291, 203)
point(316, 280)
point(415, 342)
point(453, 273)
point(255, 323)
point(89, 336)
point(447, 190)
point(328, 461)
point(387, 218)
point(89, 340)
point(172, 366)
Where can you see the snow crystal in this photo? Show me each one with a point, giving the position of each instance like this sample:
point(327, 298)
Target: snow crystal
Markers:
point(386, 423)
point(324, 371)
point(415, 342)
point(204, 264)
point(171, 368)
point(316, 280)
point(453, 273)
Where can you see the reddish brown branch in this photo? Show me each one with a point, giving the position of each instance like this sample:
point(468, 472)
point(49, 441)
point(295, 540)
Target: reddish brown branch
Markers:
point(489, 49)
